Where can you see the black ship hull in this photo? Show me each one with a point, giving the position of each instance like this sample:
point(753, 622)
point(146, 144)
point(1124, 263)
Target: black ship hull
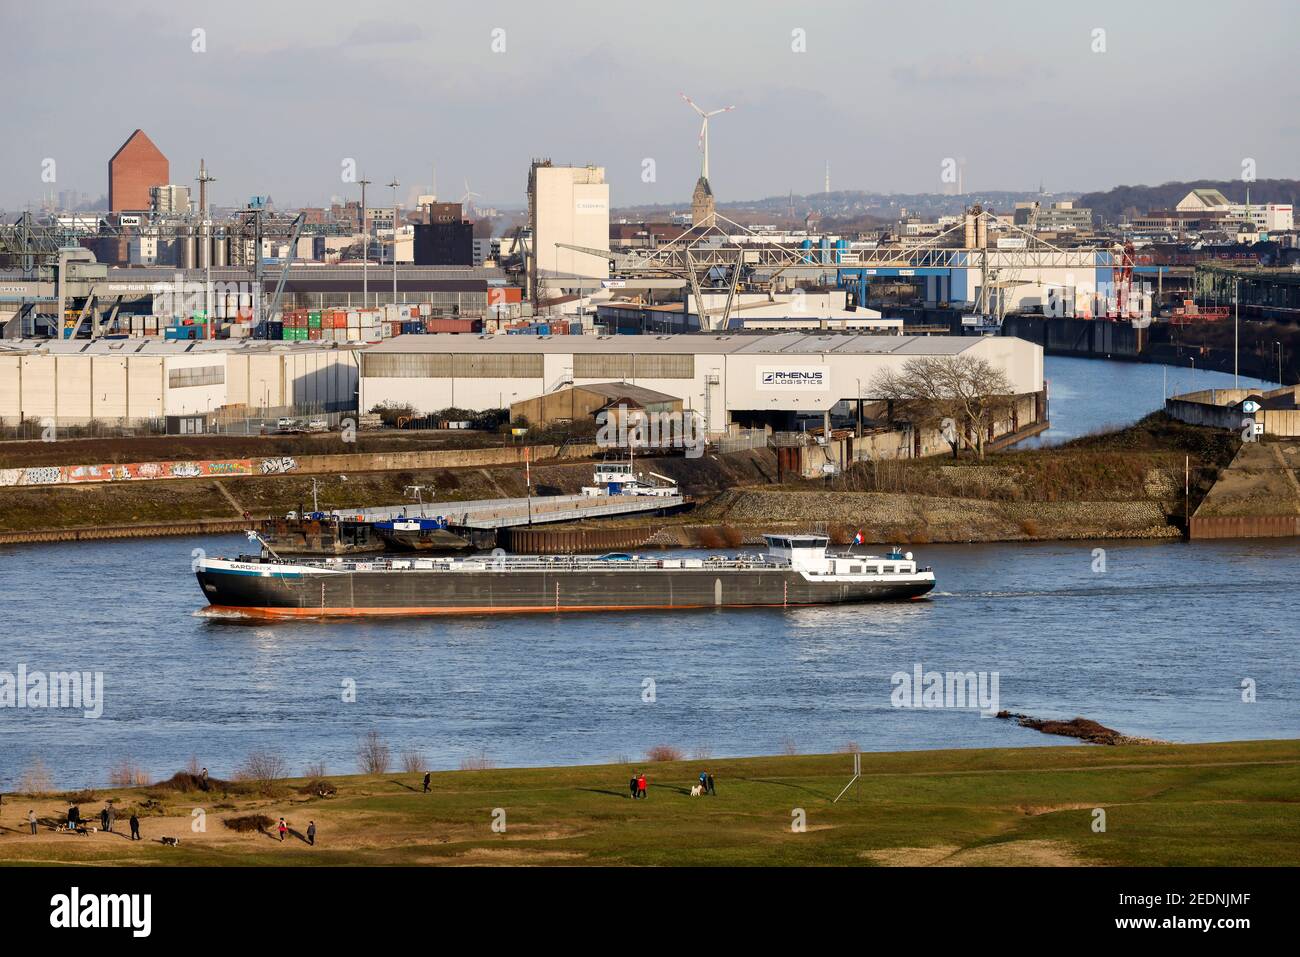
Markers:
point(283, 592)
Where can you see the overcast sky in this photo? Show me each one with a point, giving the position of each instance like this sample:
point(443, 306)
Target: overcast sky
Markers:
point(287, 90)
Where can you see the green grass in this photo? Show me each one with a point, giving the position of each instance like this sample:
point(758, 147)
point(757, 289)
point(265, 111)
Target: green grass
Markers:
point(1213, 804)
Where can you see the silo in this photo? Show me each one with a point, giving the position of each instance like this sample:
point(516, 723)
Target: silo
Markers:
point(185, 255)
point(825, 250)
point(806, 246)
point(220, 251)
point(982, 232)
point(841, 247)
point(205, 246)
point(968, 234)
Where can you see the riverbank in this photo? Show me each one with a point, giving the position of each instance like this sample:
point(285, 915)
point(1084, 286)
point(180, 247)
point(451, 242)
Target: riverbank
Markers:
point(1165, 805)
point(1127, 483)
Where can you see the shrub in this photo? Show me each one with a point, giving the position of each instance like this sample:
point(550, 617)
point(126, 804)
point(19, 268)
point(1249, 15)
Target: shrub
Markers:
point(319, 787)
point(36, 779)
point(1030, 527)
point(84, 796)
point(127, 774)
point(249, 822)
point(413, 762)
point(315, 770)
point(664, 752)
point(373, 754)
point(477, 762)
point(788, 746)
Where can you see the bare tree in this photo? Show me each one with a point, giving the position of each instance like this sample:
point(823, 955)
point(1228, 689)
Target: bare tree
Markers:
point(961, 396)
point(36, 779)
point(374, 755)
point(413, 762)
point(263, 770)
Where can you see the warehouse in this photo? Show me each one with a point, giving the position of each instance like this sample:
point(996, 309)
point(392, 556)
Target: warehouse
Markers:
point(133, 381)
point(726, 379)
point(578, 402)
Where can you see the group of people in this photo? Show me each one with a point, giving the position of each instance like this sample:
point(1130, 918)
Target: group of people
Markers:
point(706, 783)
point(637, 785)
point(283, 829)
point(107, 819)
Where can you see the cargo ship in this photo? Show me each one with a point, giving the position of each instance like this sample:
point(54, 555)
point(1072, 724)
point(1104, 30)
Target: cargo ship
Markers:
point(795, 570)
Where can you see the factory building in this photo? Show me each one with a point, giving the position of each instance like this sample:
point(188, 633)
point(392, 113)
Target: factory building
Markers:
point(566, 204)
point(727, 380)
point(131, 381)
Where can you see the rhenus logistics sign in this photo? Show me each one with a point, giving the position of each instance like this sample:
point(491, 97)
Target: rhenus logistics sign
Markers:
point(783, 378)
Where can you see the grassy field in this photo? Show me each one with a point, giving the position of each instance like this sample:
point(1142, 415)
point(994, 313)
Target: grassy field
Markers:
point(1211, 804)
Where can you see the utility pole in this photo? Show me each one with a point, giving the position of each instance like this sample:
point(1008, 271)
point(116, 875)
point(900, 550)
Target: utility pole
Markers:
point(1236, 327)
point(393, 186)
point(365, 246)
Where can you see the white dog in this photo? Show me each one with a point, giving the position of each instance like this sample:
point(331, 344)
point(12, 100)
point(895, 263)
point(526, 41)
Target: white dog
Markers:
point(697, 791)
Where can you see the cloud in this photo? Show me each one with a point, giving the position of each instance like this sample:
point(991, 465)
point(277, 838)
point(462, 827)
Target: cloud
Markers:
point(377, 32)
point(978, 70)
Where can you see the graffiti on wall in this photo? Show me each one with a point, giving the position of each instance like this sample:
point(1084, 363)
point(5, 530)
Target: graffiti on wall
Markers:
point(278, 466)
point(131, 472)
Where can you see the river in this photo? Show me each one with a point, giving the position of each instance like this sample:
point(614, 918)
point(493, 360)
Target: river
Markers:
point(1153, 639)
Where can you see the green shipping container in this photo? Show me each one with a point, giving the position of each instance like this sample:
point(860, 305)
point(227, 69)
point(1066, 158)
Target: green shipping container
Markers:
point(313, 321)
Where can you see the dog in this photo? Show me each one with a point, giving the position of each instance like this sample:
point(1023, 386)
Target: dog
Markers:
point(697, 790)
point(73, 829)
point(170, 841)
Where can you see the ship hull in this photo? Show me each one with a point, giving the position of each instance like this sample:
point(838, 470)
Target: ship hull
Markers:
point(305, 593)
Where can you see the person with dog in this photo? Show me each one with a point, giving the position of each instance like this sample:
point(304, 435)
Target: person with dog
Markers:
point(74, 816)
point(311, 833)
point(632, 786)
point(135, 827)
point(710, 789)
point(283, 829)
point(110, 818)
point(31, 819)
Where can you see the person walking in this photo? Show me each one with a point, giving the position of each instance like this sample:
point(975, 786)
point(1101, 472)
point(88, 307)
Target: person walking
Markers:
point(282, 828)
point(632, 786)
point(311, 833)
point(426, 782)
point(103, 819)
point(110, 818)
point(135, 827)
point(640, 785)
point(710, 786)
point(704, 782)
point(31, 819)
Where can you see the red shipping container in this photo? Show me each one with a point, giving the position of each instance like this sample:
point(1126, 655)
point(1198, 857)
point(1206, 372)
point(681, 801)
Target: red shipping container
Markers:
point(313, 333)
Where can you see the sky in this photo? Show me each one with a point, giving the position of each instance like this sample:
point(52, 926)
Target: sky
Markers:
point(279, 95)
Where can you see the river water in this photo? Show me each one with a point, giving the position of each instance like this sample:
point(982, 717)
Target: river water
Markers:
point(1153, 639)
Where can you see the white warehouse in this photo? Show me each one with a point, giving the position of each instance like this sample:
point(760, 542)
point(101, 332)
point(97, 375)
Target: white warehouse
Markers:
point(724, 378)
point(129, 381)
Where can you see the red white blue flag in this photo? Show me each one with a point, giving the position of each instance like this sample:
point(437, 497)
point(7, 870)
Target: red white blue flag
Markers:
point(858, 539)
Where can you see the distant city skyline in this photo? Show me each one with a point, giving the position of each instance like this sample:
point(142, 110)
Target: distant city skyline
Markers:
point(281, 96)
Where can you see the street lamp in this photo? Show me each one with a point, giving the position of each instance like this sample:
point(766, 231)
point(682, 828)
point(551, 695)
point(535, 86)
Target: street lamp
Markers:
point(393, 186)
point(365, 248)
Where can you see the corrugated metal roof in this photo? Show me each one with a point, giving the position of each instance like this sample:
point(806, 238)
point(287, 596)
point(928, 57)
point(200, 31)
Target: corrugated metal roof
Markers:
point(788, 343)
point(164, 347)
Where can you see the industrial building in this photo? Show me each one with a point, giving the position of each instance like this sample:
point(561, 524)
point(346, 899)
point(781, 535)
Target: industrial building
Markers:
point(729, 380)
point(566, 204)
point(131, 381)
point(136, 168)
point(578, 402)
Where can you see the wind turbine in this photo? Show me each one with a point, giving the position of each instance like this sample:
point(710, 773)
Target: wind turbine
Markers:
point(467, 201)
point(704, 130)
